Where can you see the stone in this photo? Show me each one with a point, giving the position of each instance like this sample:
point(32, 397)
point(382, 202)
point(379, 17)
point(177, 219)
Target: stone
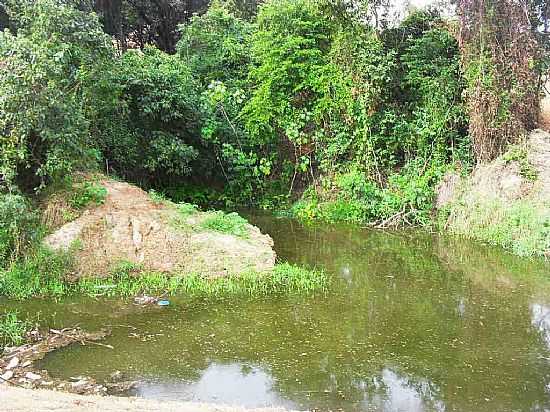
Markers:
point(13, 363)
point(6, 377)
point(32, 376)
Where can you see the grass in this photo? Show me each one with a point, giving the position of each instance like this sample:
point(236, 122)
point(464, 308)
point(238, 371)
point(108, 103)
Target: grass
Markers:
point(89, 193)
point(229, 223)
point(12, 330)
point(521, 226)
point(44, 274)
point(283, 279)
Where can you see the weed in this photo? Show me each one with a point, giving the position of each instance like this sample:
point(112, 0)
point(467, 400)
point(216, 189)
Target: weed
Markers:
point(518, 153)
point(186, 209)
point(12, 329)
point(157, 197)
point(230, 223)
point(87, 194)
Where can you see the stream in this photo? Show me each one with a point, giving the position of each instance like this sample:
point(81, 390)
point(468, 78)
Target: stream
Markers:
point(412, 322)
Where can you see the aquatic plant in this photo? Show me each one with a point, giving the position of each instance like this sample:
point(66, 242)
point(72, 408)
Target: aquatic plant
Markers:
point(283, 279)
point(12, 329)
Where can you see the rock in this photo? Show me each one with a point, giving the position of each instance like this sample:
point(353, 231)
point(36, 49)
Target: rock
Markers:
point(32, 376)
point(14, 362)
point(116, 376)
point(6, 377)
point(26, 363)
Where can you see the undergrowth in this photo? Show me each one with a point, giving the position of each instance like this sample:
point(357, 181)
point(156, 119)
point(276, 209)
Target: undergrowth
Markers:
point(521, 226)
point(229, 223)
point(47, 274)
point(12, 329)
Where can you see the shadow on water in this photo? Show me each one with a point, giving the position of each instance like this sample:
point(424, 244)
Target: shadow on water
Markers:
point(412, 322)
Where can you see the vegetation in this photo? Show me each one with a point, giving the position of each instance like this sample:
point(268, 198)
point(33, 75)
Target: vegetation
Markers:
point(12, 329)
point(324, 105)
point(230, 223)
point(44, 274)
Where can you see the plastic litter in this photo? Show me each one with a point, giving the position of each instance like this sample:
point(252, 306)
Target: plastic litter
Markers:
point(163, 302)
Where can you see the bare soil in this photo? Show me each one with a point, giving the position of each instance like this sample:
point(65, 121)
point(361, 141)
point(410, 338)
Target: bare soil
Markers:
point(130, 227)
point(22, 400)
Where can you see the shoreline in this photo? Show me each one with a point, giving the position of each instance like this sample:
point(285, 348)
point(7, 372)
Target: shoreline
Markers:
point(40, 400)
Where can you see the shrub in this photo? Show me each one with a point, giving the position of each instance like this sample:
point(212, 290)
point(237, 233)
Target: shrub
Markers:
point(19, 227)
point(148, 134)
point(49, 77)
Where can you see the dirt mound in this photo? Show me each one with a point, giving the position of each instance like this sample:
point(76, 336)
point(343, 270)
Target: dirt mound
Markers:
point(504, 179)
point(130, 227)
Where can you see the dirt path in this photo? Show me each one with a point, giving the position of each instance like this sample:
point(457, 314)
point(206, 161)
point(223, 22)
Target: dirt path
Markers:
point(25, 400)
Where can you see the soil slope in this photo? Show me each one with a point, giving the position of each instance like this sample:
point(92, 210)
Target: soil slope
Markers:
point(505, 202)
point(130, 227)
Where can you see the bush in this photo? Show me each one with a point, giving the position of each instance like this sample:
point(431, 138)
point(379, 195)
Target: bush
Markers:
point(49, 81)
point(148, 134)
point(19, 227)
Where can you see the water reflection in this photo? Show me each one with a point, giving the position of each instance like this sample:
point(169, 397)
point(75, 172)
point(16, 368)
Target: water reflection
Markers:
point(231, 384)
point(412, 322)
point(541, 321)
point(394, 392)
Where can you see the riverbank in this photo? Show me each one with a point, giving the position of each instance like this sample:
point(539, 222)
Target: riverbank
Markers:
point(24, 400)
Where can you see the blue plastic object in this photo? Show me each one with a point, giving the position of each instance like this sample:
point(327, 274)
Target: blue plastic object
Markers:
point(163, 302)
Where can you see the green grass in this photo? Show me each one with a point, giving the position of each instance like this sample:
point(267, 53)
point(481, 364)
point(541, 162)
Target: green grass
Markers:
point(230, 223)
point(87, 194)
point(283, 279)
point(12, 330)
point(39, 273)
point(521, 226)
point(44, 274)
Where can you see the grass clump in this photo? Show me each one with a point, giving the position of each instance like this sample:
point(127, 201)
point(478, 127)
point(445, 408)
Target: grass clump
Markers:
point(89, 193)
point(39, 273)
point(45, 275)
point(283, 279)
point(12, 329)
point(230, 223)
point(521, 226)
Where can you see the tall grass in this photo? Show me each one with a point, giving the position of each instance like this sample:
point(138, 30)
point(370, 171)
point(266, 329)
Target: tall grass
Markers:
point(283, 279)
point(12, 330)
point(521, 226)
point(45, 273)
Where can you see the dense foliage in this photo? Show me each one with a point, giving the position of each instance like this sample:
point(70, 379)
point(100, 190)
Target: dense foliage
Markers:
point(260, 103)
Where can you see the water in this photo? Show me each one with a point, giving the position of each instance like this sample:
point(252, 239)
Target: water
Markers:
point(413, 322)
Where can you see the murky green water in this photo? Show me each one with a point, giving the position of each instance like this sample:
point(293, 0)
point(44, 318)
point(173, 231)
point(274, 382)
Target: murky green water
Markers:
point(414, 323)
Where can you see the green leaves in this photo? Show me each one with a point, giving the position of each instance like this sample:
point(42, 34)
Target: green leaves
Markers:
point(48, 71)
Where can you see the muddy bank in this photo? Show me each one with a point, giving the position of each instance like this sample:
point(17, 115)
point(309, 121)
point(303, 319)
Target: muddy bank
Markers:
point(156, 235)
point(22, 400)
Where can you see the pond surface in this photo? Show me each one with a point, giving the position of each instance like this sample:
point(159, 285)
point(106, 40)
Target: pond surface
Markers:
point(413, 322)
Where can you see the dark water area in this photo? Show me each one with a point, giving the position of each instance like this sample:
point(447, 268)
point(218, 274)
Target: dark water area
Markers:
point(412, 322)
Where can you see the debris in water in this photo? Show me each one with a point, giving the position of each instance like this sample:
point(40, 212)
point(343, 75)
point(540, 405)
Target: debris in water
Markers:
point(13, 363)
point(145, 300)
point(6, 376)
point(163, 302)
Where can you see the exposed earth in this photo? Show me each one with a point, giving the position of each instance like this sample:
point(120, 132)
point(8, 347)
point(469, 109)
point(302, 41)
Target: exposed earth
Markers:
point(131, 227)
point(22, 400)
